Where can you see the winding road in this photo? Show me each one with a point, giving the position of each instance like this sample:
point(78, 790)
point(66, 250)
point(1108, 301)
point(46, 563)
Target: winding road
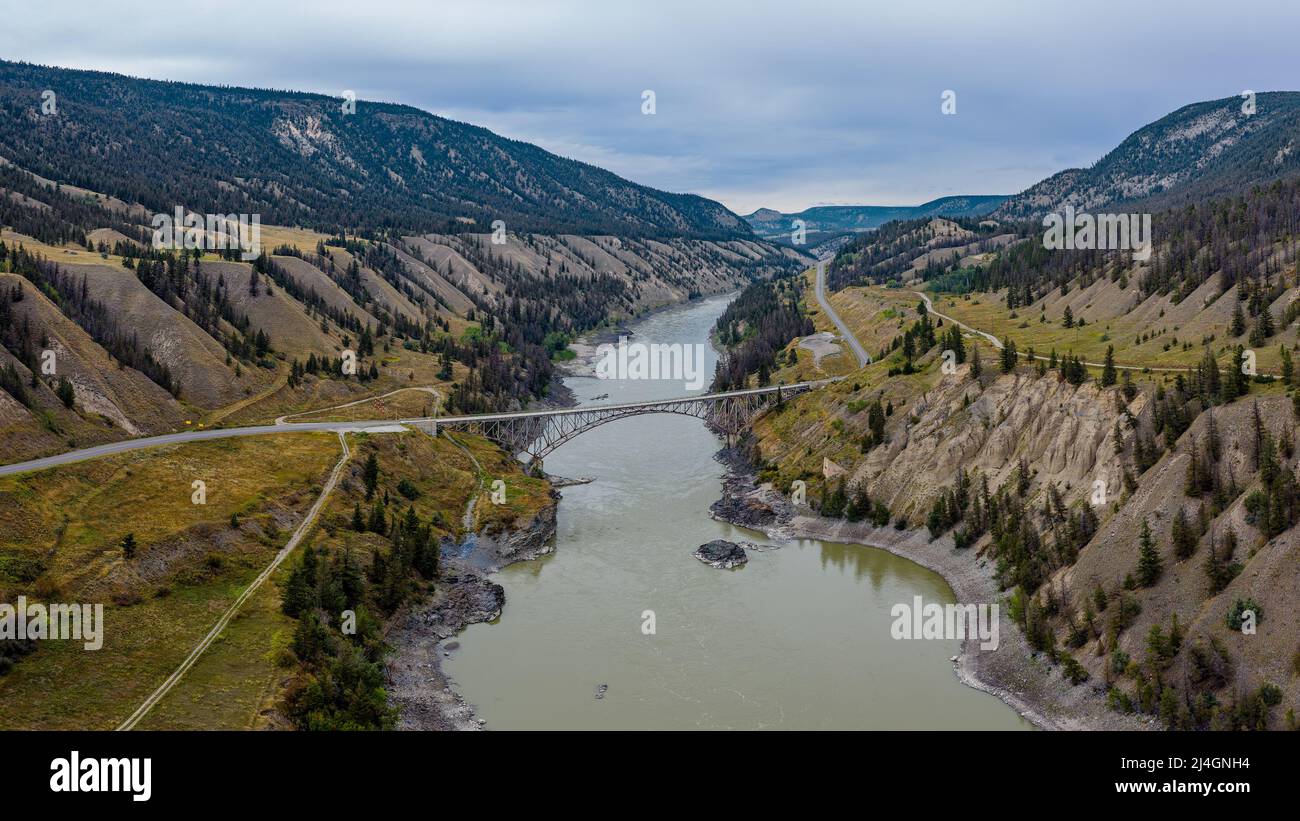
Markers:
point(860, 352)
point(997, 343)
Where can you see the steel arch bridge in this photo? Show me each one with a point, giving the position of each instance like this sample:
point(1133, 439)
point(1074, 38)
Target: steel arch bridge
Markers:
point(536, 434)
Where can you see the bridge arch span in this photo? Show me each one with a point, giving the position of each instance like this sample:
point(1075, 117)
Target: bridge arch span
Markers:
point(536, 434)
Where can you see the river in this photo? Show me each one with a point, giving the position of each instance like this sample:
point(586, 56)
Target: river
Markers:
point(796, 639)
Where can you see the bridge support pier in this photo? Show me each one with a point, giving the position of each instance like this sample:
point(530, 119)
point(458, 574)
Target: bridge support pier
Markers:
point(429, 426)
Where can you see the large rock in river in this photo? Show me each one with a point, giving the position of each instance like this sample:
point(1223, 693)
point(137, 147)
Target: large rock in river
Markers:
point(721, 554)
point(743, 510)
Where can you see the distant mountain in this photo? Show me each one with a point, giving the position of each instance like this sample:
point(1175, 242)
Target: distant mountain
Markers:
point(832, 219)
point(298, 159)
point(1200, 151)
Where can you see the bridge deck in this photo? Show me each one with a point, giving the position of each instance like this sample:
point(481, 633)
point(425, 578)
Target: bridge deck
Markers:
point(699, 397)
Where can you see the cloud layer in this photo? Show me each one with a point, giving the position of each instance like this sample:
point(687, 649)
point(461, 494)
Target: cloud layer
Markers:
point(782, 105)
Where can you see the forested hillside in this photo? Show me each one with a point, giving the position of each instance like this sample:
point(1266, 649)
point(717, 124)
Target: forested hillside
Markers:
point(298, 159)
point(1122, 461)
point(402, 272)
point(1203, 150)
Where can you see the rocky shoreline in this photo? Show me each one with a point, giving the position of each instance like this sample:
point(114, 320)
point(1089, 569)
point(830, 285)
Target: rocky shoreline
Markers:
point(1013, 672)
point(423, 633)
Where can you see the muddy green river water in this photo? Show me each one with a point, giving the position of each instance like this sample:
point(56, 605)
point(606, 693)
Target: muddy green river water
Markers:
point(798, 638)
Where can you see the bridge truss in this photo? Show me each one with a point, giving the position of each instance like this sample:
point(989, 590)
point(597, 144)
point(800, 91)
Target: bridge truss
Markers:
point(537, 434)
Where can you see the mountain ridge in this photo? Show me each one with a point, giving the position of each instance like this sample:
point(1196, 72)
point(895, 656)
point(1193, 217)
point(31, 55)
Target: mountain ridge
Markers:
point(298, 159)
point(770, 223)
point(1199, 151)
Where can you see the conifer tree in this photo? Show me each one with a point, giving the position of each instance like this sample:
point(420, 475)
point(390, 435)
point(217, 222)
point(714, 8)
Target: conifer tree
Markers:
point(1108, 375)
point(299, 594)
point(371, 475)
point(1149, 564)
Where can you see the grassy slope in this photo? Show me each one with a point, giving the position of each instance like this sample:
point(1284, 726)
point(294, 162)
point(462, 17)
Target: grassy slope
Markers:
point(1120, 318)
point(160, 603)
point(74, 517)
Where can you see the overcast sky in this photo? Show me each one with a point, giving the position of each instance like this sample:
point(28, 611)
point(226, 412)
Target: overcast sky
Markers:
point(784, 105)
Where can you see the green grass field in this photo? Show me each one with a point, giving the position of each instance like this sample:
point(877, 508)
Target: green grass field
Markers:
point(189, 567)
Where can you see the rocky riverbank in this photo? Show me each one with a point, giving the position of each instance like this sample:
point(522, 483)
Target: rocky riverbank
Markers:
point(1014, 673)
point(585, 348)
point(422, 634)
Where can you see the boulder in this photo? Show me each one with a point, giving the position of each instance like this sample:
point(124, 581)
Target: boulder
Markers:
point(721, 554)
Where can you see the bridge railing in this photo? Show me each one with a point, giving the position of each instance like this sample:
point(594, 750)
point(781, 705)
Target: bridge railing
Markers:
point(538, 433)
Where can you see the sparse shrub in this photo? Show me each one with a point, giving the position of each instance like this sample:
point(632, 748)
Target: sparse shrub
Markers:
point(1237, 615)
point(408, 489)
point(126, 598)
point(1118, 700)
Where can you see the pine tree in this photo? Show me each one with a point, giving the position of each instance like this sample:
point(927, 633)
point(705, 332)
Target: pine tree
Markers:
point(956, 344)
point(1108, 375)
point(358, 521)
point(1239, 374)
point(378, 521)
point(1149, 564)
point(1068, 318)
point(350, 580)
point(1192, 480)
point(299, 594)
point(65, 392)
point(876, 422)
point(1022, 478)
point(371, 475)
point(976, 367)
point(311, 639)
point(1219, 567)
point(1213, 444)
point(128, 546)
point(1183, 537)
point(1169, 708)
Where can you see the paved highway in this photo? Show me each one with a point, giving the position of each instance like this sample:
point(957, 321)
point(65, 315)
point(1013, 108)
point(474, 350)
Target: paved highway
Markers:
point(374, 425)
point(860, 352)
